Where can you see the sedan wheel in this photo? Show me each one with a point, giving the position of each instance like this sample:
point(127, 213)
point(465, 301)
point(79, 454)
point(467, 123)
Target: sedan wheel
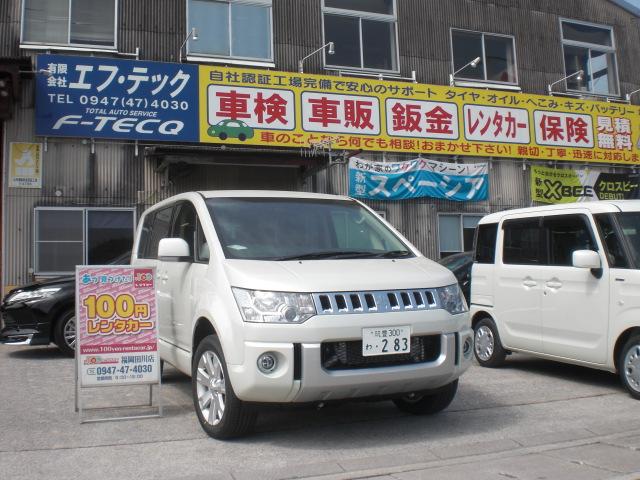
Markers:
point(64, 332)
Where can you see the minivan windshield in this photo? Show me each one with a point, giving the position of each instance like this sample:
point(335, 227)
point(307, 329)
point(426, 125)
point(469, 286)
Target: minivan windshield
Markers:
point(301, 229)
point(630, 226)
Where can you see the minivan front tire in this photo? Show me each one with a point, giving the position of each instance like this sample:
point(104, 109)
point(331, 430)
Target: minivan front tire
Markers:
point(221, 414)
point(629, 363)
point(487, 347)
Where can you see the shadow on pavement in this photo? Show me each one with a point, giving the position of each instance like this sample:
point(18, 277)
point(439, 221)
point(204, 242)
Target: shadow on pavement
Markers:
point(38, 353)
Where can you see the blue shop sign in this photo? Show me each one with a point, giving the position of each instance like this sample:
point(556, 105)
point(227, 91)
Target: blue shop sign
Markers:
point(417, 178)
point(118, 99)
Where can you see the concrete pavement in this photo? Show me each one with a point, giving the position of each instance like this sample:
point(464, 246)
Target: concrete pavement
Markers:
point(533, 419)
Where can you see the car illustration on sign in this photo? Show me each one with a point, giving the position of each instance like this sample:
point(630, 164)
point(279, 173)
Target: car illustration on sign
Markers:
point(231, 129)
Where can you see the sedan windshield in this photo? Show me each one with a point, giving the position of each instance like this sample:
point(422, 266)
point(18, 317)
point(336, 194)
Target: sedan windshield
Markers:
point(301, 229)
point(630, 225)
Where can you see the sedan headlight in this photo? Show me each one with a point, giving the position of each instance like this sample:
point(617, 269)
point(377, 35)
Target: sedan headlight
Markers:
point(452, 299)
point(32, 295)
point(274, 307)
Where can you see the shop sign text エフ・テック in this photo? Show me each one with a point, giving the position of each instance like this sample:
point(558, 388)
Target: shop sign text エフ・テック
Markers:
point(106, 98)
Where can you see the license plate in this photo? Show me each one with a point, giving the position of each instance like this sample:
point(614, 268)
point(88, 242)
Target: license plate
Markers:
point(386, 340)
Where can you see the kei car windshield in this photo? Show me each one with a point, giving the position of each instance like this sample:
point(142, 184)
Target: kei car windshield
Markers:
point(630, 225)
point(301, 229)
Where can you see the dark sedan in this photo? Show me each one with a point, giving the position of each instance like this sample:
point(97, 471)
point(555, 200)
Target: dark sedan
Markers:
point(460, 264)
point(44, 312)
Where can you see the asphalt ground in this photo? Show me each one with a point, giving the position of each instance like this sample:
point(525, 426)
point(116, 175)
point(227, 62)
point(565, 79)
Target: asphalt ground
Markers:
point(533, 419)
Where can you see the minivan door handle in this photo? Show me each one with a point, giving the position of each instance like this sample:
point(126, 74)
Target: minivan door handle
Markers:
point(163, 276)
point(529, 283)
point(554, 284)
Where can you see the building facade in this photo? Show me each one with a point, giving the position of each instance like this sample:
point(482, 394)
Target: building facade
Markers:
point(72, 195)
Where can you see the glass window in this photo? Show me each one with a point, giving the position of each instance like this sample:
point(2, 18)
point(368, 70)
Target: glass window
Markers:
point(145, 235)
point(66, 237)
point(70, 22)
point(616, 256)
point(486, 237)
point(109, 235)
point(202, 251)
point(159, 230)
point(302, 229)
point(456, 232)
point(590, 48)
point(523, 242)
point(184, 225)
point(496, 52)
point(630, 228)
point(231, 29)
point(566, 234)
point(363, 33)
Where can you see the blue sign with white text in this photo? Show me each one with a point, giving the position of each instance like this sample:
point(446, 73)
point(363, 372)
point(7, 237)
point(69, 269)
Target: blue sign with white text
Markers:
point(416, 178)
point(120, 99)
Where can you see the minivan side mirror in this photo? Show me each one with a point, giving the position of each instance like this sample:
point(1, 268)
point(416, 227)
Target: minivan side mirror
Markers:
point(174, 250)
point(588, 259)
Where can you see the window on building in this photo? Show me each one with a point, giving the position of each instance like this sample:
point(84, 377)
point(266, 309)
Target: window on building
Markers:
point(66, 237)
point(456, 233)
point(363, 32)
point(231, 28)
point(70, 22)
point(590, 48)
point(496, 52)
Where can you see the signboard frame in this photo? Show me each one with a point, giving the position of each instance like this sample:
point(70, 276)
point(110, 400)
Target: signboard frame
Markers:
point(151, 333)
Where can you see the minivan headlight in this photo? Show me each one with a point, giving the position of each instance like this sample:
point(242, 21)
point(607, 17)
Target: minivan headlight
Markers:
point(452, 299)
point(31, 295)
point(258, 306)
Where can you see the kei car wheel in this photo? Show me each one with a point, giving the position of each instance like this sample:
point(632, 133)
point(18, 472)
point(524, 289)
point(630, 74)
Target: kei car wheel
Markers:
point(64, 333)
point(487, 346)
point(221, 414)
point(425, 404)
point(629, 366)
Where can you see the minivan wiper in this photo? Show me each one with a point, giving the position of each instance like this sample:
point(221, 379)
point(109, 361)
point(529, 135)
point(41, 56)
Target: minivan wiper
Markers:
point(331, 254)
point(394, 254)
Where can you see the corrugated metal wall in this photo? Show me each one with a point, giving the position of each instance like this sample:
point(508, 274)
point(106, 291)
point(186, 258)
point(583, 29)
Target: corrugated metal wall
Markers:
point(114, 176)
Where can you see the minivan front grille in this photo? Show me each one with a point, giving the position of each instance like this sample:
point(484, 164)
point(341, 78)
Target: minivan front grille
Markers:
point(337, 303)
point(347, 355)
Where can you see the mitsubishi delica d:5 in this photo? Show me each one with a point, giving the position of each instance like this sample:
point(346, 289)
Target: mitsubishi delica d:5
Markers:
point(283, 297)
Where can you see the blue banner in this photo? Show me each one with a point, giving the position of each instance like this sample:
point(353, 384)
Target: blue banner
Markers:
point(418, 178)
point(111, 98)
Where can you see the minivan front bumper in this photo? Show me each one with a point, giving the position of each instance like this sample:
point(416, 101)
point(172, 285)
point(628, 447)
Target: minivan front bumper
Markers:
point(300, 376)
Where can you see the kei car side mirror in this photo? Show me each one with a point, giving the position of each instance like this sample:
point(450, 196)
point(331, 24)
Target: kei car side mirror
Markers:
point(588, 259)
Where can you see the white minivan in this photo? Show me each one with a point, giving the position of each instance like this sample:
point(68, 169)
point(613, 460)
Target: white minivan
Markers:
point(288, 297)
point(561, 282)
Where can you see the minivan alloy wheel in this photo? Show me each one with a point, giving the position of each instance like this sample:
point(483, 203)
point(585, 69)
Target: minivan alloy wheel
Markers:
point(484, 343)
point(211, 388)
point(631, 367)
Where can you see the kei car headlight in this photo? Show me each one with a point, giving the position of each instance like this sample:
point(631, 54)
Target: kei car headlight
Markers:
point(452, 299)
point(274, 307)
point(32, 295)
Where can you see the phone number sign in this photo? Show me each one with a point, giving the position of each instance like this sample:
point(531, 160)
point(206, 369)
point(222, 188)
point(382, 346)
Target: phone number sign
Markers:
point(120, 99)
point(116, 326)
